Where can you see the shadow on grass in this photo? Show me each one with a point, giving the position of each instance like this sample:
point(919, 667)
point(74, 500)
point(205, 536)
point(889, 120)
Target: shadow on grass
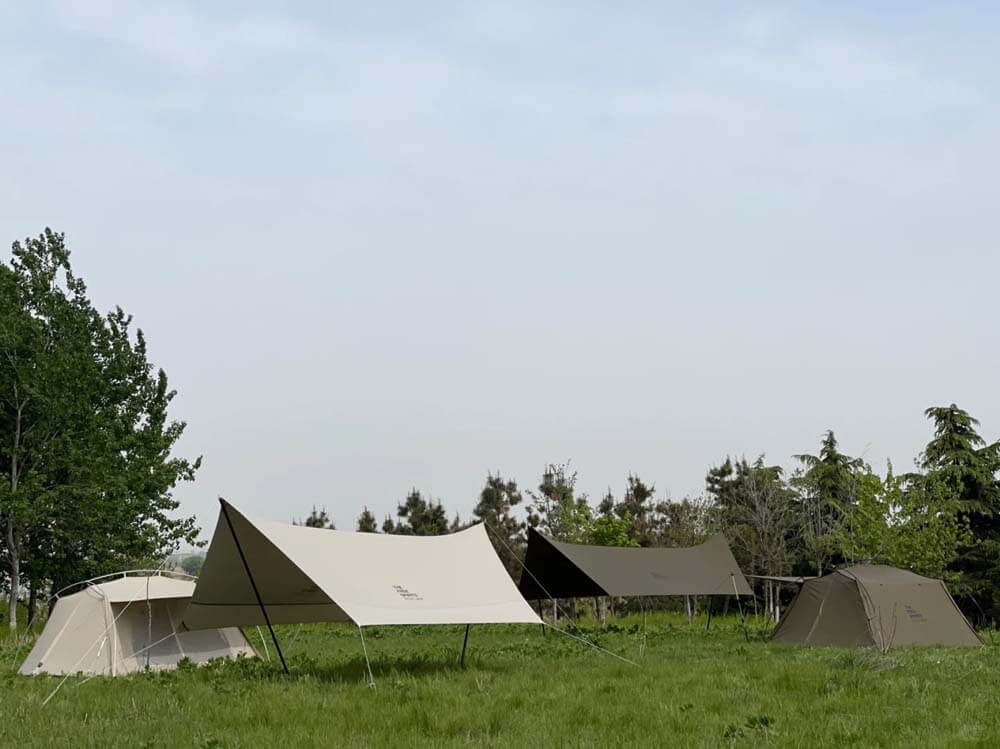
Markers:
point(234, 675)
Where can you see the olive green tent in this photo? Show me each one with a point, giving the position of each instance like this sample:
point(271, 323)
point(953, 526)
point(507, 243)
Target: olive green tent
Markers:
point(561, 570)
point(874, 605)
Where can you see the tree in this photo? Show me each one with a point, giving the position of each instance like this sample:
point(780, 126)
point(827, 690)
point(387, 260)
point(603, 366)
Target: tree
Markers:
point(637, 507)
point(457, 524)
point(191, 564)
point(686, 523)
point(85, 441)
point(418, 517)
point(610, 530)
point(910, 521)
point(554, 507)
point(607, 504)
point(722, 482)
point(962, 460)
point(497, 500)
point(766, 519)
point(317, 519)
point(827, 490)
point(732, 488)
point(366, 522)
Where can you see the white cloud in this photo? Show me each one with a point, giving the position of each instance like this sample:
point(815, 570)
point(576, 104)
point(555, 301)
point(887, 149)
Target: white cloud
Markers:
point(180, 38)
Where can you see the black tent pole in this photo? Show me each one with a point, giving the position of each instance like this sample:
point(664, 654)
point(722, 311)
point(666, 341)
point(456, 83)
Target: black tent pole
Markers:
point(465, 644)
point(711, 602)
point(253, 584)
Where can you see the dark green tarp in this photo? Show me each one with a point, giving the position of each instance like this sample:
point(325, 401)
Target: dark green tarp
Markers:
point(868, 605)
point(553, 569)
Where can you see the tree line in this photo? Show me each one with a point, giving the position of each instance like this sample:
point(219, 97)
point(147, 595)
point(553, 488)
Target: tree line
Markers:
point(940, 519)
point(88, 472)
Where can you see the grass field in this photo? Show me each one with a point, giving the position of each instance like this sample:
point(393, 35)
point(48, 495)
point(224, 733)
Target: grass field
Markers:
point(691, 688)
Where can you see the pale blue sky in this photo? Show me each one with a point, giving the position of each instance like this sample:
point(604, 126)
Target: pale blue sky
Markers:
point(401, 246)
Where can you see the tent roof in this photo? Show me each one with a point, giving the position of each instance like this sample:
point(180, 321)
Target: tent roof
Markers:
point(311, 574)
point(563, 570)
point(125, 589)
point(882, 574)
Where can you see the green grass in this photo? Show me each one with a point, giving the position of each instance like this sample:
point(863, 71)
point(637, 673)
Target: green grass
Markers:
point(519, 688)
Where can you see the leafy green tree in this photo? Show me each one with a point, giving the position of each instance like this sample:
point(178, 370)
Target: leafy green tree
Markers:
point(85, 440)
point(960, 458)
point(555, 509)
point(828, 488)
point(191, 564)
point(686, 523)
point(418, 517)
point(495, 508)
point(317, 519)
point(910, 521)
point(638, 507)
point(366, 522)
point(610, 530)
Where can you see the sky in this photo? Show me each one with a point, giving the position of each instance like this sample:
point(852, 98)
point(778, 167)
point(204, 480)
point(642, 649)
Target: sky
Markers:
point(383, 246)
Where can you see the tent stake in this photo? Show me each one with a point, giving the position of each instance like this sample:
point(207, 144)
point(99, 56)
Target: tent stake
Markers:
point(465, 644)
point(743, 619)
point(253, 584)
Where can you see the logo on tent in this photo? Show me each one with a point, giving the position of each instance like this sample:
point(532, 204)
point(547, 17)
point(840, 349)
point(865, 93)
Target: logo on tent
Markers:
point(915, 616)
point(405, 594)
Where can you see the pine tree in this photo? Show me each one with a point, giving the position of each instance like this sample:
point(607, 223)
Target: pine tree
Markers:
point(317, 519)
point(419, 517)
point(962, 460)
point(497, 501)
point(366, 522)
point(828, 490)
point(555, 509)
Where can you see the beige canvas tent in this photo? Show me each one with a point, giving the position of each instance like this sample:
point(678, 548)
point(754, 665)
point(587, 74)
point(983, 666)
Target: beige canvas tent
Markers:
point(126, 624)
point(260, 572)
point(874, 605)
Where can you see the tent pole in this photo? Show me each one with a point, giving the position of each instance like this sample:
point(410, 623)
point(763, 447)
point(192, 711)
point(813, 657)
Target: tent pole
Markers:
point(540, 616)
point(253, 584)
point(711, 601)
point(368, 663)
point(743, 619)
point(465, 644)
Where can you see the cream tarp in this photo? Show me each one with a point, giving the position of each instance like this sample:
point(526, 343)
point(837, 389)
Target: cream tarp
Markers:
point(124, 625)
point(312, 574)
